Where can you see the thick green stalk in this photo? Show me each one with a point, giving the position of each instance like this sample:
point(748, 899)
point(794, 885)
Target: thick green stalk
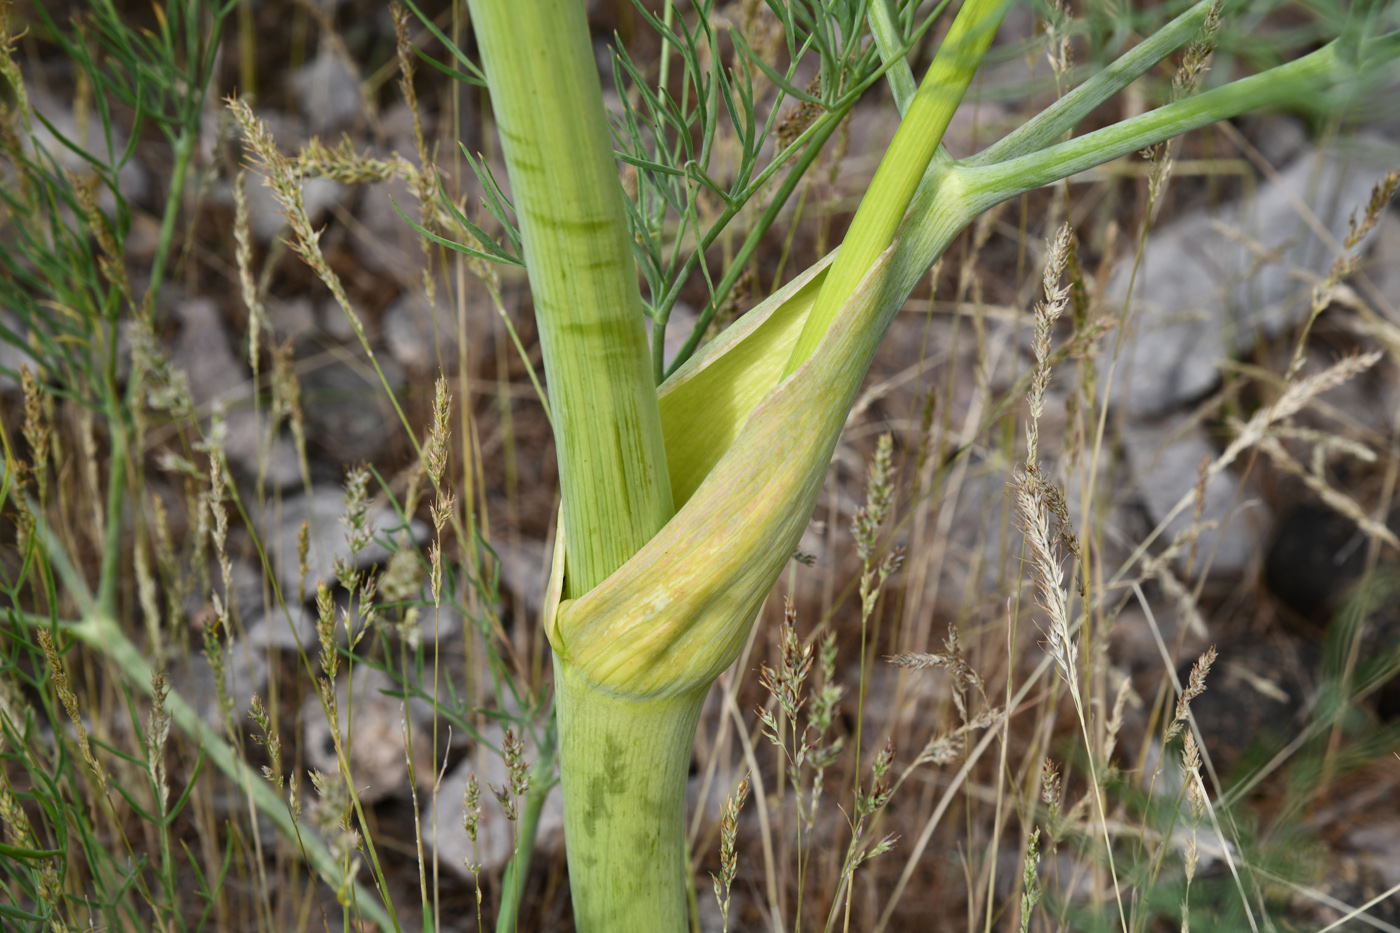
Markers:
point(545, 92)
point(914, 146)
point(625, 765)
point(549, 106)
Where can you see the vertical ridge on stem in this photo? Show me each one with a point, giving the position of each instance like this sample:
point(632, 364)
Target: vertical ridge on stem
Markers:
point(548, 103)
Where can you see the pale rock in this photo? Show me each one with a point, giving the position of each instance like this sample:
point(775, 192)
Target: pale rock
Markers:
point(322, 510)
point(980, 535)
point(385, 242)
point(334, 323)
point(192, 678)
point(437, 624)
point(294, 318)
point(1383, 265)
point(214, 128)
point(246, 445)
point(711, 919)
point(415, 334)
point(329, 93)
point(246, 583)
point(1379, 843)
point(142, 243)
point(204, 352)
point(1163, 460)
point(132, 179)
point(374, 730)
point(282, 630)
point(1212, 283)
point(1280, 138)
point(12, 355)
point(1134, 645)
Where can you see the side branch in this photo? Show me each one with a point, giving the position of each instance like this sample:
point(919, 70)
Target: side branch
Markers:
point(1064, 114)
point(989, 185)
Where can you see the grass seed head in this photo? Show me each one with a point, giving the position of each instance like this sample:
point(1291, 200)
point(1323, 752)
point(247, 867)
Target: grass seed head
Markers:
point(471, 809)
point(1033, 505)
point(157, 734)
point(267, 737)
point(879, 494)
point(506, 799)
point(359, 530)
point(1050, 791)
point(325, 630)
point(303, 551)
point(1381, 196)
point(785, 684)
point(1030, 880)
point(243, 256)
point(1196, 62)
point(1121, 699)
point(1057, 41)
point(441, 511)
point(69, 699)
point(728, 855)
point(1195, 686)
point(1047, 311)
point(435, 452)
point(37, 430)
point(435, 572)
point(516, 767)
point(21, 833)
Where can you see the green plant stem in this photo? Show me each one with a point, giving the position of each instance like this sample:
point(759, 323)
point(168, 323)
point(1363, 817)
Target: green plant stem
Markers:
point(888, 40)
point(1047, 126)
point(912, 150)
point(548, 102)
point(992, 184)
point(184, 151)
point(103, 635)
point(810, 145)
point(624, 809)
point(745, 251)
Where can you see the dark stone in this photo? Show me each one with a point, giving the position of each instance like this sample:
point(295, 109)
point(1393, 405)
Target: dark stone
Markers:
point(1255, 694)
point(1315, 558)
